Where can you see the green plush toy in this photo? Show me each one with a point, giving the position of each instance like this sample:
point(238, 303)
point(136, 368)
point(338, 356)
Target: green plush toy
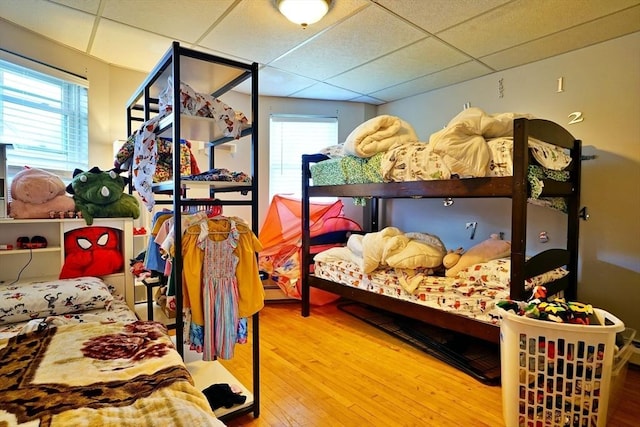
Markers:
point(100, 194)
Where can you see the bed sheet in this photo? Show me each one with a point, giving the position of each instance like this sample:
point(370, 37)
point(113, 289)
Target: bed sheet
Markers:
point(462, 296)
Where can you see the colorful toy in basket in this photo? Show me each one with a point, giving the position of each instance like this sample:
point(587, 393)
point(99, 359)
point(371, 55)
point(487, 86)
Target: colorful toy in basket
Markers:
point(557, 310)
point(99, 194)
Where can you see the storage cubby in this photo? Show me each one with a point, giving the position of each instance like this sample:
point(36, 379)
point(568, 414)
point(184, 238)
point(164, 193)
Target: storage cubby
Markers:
point(46, 263)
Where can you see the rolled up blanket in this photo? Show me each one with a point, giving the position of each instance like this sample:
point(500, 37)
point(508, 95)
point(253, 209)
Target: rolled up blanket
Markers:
point(377, 135)
point(462, 144)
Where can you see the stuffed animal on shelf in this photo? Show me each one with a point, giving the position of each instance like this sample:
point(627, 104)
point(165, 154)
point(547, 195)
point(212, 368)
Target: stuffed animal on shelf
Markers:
point(36, 193)
point(100, 194)
point(92, 251)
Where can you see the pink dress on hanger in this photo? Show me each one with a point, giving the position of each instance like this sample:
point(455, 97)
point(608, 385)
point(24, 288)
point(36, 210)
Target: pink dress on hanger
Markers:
point(220, 296)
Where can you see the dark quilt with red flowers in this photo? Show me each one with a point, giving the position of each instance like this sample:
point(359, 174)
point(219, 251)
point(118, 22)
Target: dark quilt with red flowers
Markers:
point(98, 374)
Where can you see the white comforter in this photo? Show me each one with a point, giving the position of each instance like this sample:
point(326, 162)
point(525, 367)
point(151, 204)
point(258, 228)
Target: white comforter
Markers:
point(378, 135)
point(473, 144)
point(464, 148)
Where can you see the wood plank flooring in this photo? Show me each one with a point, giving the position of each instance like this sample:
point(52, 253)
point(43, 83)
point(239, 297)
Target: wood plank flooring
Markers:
point(331, 369)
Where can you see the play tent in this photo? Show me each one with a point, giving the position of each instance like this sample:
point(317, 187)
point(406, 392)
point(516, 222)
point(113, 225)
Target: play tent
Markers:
point(281, 238)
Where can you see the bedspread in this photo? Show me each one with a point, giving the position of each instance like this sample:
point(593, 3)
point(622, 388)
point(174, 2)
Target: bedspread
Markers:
point(94, 374)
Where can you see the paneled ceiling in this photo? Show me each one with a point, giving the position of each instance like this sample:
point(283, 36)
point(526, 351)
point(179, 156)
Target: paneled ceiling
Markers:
point(372, 51)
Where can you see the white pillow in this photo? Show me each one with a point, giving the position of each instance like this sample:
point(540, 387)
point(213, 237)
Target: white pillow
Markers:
point(413, 250)
point(22, 302)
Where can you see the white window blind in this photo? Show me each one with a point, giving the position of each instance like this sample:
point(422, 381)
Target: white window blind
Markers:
point(43, 114)
point(289, 138)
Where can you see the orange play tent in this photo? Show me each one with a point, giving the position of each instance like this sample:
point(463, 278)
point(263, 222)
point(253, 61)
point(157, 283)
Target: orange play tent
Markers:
point(281, 238)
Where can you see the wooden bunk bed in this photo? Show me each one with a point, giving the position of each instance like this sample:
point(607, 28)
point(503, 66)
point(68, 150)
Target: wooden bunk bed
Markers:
point(515, 187)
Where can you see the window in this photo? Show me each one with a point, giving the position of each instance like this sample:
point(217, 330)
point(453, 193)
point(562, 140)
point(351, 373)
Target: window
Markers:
point(290, 137)
point(43, 114)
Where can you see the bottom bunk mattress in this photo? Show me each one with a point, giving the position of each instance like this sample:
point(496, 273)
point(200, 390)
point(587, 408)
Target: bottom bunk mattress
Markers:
point(473, 293)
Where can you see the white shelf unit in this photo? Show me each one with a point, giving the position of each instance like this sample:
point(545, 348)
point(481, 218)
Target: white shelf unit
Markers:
point(46, 263)
point(216, 76)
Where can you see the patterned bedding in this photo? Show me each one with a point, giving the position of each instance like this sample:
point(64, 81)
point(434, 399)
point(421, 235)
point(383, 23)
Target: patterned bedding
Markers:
point(473, 144)
point(473, 293)
point(145, 149)
point(118, 312)
point(417, 161)
point(464, 297)
point(82, 358)
point(90, 374)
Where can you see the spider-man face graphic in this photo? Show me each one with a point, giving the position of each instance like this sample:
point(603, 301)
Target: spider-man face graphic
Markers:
point(92, 251)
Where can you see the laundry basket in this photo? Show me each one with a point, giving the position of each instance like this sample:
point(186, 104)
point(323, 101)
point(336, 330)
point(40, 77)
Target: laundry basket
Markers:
point(556, 374)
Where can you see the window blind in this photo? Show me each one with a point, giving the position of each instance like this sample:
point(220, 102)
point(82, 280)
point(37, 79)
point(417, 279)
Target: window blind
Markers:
point(291, 136)
point(44, 115)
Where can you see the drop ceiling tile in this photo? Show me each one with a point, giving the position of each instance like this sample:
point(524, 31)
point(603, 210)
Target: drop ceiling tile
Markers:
point(367, 35)
point(89, 6)
point(368, 100)
point(325, 91)
point(364, 47)
point(436, 15)
point(182, 20)
point(143, 49)
point(609, 27)
point(274, 82)
point(459, 73)
point(424, 57)
point(216, 53)
point(44, 18)
point(522, 21)
point(257, 31)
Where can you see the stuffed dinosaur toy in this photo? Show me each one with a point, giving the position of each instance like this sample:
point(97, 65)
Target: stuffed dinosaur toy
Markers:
point(100, 194)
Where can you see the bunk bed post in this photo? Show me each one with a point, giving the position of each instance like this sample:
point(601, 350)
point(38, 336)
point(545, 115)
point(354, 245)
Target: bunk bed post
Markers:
point(305, 257)
point(573, 221)
point(519, 207)
point(373, 213)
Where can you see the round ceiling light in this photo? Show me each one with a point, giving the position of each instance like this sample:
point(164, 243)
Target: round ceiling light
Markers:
point(304, 12)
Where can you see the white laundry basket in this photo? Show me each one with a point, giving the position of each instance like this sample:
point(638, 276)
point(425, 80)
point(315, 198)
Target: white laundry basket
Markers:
point(556, 374)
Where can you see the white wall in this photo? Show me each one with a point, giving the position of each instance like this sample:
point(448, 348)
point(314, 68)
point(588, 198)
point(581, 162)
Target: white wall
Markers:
point(602, 82)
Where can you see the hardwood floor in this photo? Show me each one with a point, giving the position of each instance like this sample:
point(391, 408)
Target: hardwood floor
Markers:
point(331, 369)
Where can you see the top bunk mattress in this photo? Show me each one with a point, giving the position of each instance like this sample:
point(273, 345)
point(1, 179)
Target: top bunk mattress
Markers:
point(417, 161)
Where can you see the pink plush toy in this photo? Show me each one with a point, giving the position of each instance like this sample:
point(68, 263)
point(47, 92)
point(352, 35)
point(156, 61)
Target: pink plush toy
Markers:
point(36, 192)
point(490, 249)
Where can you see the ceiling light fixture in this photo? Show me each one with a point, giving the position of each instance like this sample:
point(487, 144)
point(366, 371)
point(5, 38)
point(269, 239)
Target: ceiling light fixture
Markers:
point(303, 12)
